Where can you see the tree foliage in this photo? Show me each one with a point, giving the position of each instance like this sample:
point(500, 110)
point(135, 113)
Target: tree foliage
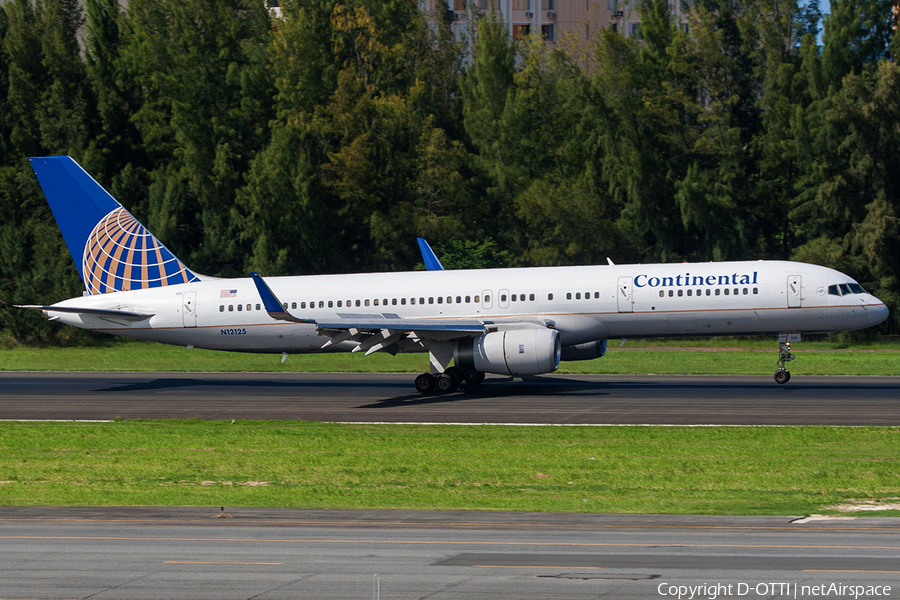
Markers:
point(325, 139)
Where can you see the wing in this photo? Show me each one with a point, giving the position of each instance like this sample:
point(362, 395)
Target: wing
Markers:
point(374, 331)
point(98, 312)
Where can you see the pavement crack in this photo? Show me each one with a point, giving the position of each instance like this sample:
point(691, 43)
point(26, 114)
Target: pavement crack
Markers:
point(278, 587)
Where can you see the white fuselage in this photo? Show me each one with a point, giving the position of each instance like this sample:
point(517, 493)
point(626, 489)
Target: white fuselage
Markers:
point(583, 303)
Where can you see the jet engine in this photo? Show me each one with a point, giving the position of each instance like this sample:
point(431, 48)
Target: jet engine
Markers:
point(512, 352)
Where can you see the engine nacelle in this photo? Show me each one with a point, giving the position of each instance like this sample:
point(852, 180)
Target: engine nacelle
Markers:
point(588, 351)
point(512, 352)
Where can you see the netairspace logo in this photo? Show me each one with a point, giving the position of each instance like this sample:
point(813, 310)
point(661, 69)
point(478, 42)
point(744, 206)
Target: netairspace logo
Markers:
point(712, 591)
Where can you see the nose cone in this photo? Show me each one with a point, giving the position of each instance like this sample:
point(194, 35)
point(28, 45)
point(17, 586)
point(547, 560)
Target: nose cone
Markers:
point(876, 313)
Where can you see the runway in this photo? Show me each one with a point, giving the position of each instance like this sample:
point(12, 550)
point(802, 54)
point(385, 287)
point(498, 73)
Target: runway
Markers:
point(187, 554)
point(550, 399)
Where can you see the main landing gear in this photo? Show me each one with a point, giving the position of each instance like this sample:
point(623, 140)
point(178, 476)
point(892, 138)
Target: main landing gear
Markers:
point(448, 381)
point(782, 375)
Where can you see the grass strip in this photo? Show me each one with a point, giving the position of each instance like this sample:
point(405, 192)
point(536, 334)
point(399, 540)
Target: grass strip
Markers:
point(672, 470)
point(753, 358)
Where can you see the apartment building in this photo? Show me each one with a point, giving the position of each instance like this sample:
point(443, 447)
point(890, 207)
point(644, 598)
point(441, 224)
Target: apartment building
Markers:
point(554, 19)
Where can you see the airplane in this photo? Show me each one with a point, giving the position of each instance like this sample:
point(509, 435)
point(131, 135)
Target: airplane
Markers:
point(513, 322)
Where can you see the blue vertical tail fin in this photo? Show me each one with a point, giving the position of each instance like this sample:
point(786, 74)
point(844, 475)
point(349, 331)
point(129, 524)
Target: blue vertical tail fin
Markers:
point(111, 249)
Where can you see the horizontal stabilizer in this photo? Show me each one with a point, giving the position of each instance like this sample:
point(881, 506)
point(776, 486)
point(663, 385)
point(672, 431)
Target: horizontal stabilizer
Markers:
point(97, 312)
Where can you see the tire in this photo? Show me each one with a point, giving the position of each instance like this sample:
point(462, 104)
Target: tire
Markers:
point(457, 374)
point(782, 376)
point(444, 384)
point(425, 383)
point(474, 377)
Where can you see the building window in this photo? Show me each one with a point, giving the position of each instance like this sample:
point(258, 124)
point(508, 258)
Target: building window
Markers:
point(635, 30)
point(521, 31)
point(612, 4)
point(548, 32)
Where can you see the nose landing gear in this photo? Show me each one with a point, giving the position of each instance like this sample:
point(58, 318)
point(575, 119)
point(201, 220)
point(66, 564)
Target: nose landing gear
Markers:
point(782, 375)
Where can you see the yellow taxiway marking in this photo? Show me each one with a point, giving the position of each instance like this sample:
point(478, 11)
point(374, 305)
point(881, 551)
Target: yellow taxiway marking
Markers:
point(214, 562)
point(440, 543)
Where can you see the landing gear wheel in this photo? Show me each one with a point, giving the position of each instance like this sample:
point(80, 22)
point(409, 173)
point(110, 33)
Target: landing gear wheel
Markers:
point(445, 383)
point(474, 377)
point(782, 376)
point(425, 383)
point(456, 373)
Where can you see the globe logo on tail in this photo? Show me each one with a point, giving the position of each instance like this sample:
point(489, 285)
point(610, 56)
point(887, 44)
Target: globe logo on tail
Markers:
point(120, 254)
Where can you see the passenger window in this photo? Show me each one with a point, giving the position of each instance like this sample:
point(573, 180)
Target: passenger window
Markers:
point(367, 302)
point(477, 299)
point(357, 303)
point(303, 305)
point(340, 303)
point(468, 299)
point(240, 307)
point(680, 293)
point(689, 292)
point(708, 291)
point(284, 305)
point(587, 295)
point(755, 290)
point(531, 297)
point(412, 300)
point(459, 299)
point(231, 308)
point(293, 305)
point(440, 299)
point(402, 301)
point(578, 295)
point(487, 297)
point(449, 299)
point(735, 291)
point(393, 302)
point(331, 304)
point(568, 295)
point(718, 291)
point(521, 297)
point(257, 307)
point(250, 306)
point(549, 296)
point(321, 304)
point(384, 303)
point(349, 303)
point(376, 301)
point(596, 295)
point(726, 291)
point(221, 308)
point(746, 291)
point(700, 292)
point(430, 300)
point(421, 300)
point(662, 294)
point(845, 289)
point(671, 293)
point(513, 297)
point(503, 298)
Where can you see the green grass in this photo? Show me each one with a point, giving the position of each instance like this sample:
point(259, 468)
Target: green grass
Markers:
point(718, 356)
point(674, 470)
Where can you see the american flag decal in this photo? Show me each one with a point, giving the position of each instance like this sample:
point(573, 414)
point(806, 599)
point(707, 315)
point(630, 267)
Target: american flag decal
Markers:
point(228, 294)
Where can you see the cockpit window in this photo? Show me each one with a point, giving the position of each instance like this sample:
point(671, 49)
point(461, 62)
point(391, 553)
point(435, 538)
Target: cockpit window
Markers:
point(843, 289)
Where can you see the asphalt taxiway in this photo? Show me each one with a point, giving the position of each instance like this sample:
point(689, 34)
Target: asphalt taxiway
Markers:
point(549, 399)
point(181, 554)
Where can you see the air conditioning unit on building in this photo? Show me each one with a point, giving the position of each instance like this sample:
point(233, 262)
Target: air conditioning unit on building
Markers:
point(551, 14)
point(618, 14)
point(528, 14)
